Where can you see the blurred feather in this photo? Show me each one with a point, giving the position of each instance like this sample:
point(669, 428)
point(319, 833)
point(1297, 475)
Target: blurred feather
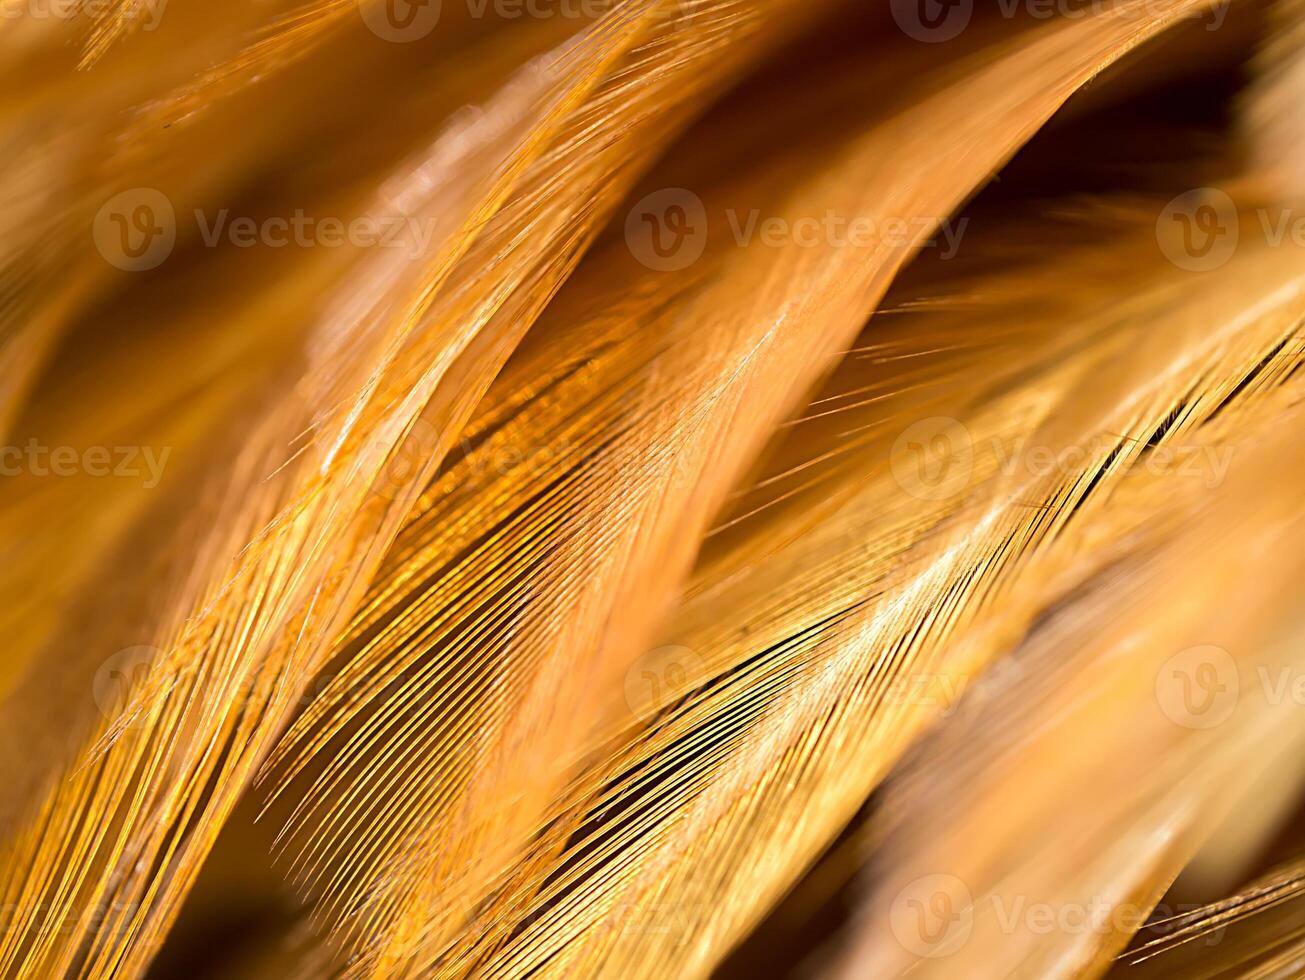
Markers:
point(579, 602)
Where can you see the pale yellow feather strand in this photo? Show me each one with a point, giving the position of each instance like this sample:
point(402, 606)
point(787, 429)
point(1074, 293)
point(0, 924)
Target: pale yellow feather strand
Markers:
point(1125, 788)
point(719, 450)
point(678, 883)
point(335, 502)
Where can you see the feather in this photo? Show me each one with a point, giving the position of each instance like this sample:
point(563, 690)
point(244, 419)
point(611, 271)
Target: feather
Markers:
point(784, 461)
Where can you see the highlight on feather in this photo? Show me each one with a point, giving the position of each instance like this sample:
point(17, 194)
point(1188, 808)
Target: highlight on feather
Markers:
point(652, 488)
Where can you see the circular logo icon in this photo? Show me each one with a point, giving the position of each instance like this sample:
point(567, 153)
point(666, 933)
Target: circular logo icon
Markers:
point(119, 678)
point(667, 230)
point(933, 458)
point(400, 21)
point(136, 230)
point(932, 21)
point(1198, 231)
point(658, 677)
point(405, 462)
point(1198, 687)
point(933, 916)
